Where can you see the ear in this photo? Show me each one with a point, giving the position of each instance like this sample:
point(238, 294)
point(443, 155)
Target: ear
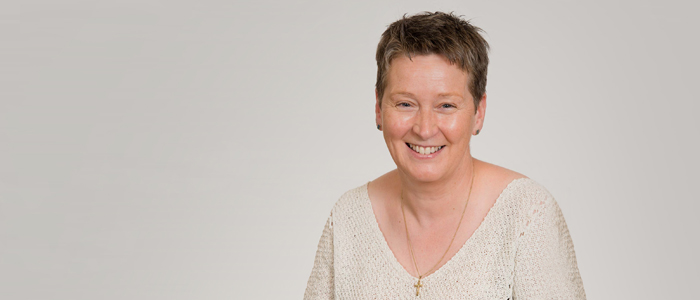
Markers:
point(480, 115)
point(377, 108)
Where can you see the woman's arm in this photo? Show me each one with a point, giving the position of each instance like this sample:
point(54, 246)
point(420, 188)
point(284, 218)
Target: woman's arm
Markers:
point(321, 283)
point(545, 262)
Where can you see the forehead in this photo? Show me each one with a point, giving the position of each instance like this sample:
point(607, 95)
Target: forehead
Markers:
point(426, 74)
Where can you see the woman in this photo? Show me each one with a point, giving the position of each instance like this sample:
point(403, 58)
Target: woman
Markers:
point(443, 225)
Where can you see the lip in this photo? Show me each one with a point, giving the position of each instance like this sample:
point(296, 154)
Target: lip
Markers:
point(424, 156)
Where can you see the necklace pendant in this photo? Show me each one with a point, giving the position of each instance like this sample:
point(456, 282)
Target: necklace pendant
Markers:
point(418, 286)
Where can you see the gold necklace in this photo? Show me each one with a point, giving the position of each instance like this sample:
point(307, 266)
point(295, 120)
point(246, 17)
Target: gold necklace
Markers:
point(418, 285)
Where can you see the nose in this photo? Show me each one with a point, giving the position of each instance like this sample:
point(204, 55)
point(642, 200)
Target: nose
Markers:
point(425, 125)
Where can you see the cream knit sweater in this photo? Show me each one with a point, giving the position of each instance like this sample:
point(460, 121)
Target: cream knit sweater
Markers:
point(521, 250)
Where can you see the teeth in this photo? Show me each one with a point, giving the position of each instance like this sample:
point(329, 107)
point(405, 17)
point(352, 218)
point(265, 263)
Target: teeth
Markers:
point(425, 150)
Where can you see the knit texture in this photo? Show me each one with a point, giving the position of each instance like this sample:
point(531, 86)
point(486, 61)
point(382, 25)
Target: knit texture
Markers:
point(521, 250)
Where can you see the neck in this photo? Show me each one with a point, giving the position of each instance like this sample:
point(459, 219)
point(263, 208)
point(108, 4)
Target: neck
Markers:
point(429, 202)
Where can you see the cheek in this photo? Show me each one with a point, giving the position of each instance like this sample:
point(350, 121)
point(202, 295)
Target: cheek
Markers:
point(456, 129)
point(396, 124)
point(391, 130)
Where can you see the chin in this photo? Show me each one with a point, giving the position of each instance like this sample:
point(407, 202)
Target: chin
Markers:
point(423, 175)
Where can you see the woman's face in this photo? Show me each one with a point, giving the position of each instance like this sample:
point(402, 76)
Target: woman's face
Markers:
point(428, 116)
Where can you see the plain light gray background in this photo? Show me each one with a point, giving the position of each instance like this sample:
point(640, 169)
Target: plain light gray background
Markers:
point(193, 150)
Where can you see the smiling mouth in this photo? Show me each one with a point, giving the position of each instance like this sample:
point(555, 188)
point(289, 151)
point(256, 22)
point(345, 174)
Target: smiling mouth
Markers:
point(424, 150)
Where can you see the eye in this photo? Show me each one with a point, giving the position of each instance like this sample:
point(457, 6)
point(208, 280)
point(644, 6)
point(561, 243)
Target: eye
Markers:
point(447, 105)
point(403, 104)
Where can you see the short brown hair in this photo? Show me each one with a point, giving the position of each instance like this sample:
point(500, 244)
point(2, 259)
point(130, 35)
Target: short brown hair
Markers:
point(435, 33)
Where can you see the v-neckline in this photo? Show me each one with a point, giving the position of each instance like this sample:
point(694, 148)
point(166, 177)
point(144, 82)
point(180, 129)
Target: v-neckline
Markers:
point(389, 255)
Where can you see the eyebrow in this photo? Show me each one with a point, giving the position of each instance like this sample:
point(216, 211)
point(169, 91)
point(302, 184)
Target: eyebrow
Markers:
point(441, 95)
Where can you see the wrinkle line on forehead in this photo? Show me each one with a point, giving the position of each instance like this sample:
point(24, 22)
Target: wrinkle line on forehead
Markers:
point(402, 93)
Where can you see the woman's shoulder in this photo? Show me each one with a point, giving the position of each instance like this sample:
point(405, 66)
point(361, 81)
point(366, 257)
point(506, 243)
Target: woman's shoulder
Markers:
point(384, 187)
point(360, 199)
point(351, 200)
point(501, 180)
point(496, 174)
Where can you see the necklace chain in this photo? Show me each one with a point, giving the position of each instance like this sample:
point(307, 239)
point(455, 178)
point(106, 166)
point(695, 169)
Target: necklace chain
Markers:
point(410, 246)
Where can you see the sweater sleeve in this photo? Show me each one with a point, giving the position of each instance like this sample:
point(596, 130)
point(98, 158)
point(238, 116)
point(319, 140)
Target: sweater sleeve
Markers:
point(545, 261)
point(321, 283)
